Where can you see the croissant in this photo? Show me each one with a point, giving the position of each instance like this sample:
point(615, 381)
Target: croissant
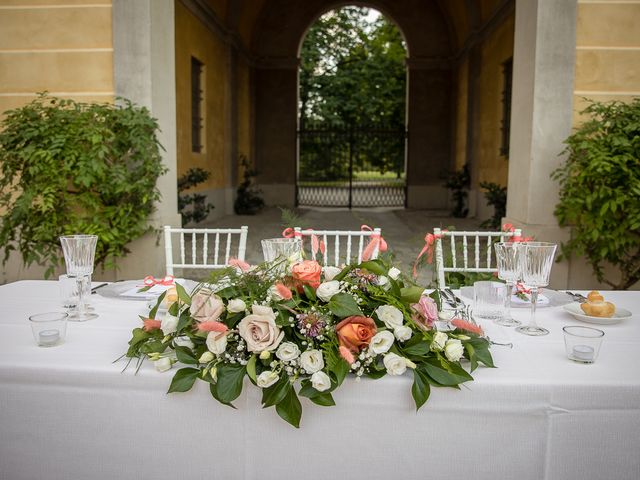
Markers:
point(595, 306)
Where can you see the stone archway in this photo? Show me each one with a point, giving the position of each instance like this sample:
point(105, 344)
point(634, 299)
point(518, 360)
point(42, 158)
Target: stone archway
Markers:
point(278, 32)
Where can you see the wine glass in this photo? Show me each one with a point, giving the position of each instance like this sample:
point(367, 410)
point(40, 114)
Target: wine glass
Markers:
point(282, 248)
point(79, 252)
point(536, 260)
point(509, 271)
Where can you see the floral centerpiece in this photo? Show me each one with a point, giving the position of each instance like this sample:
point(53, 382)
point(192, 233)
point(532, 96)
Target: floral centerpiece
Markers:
point(300, 329)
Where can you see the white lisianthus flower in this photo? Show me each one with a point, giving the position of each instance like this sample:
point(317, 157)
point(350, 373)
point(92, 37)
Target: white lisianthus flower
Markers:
point(454, 350)
point(381, 342)
point(390, 315)
point(330, 273)
point(267, 378)
point(206, 357)
point(236, 305)
point(312, 361)
point(439, 341)
point(169, 324)
point(320, 381)
point(183, 341)
point(403, 333)
point(288, 351)
point(163, 364)
point(395, 364)
point(394, 273)
point(327, 290)
point(217, 342)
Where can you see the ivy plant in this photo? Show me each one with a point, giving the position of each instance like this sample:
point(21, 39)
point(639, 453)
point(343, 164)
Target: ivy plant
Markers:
point(600, 191)
point(69, 167)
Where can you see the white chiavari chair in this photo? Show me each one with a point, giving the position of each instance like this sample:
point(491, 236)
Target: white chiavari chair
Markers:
point(341, 247)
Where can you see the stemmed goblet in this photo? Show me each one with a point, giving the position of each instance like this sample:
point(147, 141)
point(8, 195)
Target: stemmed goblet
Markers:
point(509, 271)
point(536, 260)
point(79, 252)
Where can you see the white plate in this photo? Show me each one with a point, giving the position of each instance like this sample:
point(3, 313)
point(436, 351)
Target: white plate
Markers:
point(575, 310)
point(556, 299)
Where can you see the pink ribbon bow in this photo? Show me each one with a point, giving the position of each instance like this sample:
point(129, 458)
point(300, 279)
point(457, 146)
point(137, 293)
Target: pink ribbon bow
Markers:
point(150, 280)
point(316, 245)
point(376, 241)
point(429, 243)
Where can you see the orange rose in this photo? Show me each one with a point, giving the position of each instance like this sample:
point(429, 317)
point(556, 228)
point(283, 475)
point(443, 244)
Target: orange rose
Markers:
point(307, 272)
point(355, 333)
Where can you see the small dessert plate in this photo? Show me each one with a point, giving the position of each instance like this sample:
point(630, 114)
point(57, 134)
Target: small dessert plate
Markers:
point(575, 310)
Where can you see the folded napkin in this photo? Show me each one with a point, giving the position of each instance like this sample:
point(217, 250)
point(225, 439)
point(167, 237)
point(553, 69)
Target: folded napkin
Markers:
point(154, 292)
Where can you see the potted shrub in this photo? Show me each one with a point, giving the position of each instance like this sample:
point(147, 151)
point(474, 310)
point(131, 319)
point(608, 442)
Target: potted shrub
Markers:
point(69, 167)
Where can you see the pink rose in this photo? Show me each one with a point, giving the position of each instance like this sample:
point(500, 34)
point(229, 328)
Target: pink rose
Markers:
point(425, 312)
point(259, 330)
point(206, 306)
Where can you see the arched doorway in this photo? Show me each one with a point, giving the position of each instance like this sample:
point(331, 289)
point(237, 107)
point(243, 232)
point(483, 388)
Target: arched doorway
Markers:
point(351, 136)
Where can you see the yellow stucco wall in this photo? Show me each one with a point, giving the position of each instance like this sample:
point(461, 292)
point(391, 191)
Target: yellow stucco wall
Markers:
point(62, 46)
point(607, 52)
point(495, 50)
point(194, 39)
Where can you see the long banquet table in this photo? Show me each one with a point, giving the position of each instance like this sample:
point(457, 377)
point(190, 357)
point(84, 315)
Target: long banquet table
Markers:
point(69, 413)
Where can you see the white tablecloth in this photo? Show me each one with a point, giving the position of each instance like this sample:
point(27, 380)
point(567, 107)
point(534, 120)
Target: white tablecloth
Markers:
point(68, 413)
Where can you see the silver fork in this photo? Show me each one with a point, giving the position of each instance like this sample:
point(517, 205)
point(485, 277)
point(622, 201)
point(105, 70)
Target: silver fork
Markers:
point(577, 297)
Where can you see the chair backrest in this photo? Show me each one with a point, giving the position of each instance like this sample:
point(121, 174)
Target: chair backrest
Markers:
point(199, 241)
point(482, 248)
point(341, 246)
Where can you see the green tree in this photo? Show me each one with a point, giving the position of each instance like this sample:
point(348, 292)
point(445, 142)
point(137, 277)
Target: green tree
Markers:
point(353, 74)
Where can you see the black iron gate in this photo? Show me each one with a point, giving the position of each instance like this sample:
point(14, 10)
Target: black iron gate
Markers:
point(351, 167)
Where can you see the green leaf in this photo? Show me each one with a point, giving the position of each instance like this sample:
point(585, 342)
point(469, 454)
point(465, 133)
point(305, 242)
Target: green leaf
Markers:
point(324, 399)
point(183, 295)
point(339, 369)
point(290, 409)
point(411, 294)
point(154, 310)
point(185, 355)
point(343, 305)
point(482, 353)
point(213, 388)
point(418, 349)
point(420, 389)
point(276, 392)
point(230, 378)
point(374, 266)
point(251, 368)
point(451, 377)
point(183, 321)
point(183, 380)
point(309, 292)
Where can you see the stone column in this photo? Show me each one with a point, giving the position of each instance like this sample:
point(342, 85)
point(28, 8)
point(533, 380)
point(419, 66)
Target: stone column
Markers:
point(144, 72)
point(541, 118)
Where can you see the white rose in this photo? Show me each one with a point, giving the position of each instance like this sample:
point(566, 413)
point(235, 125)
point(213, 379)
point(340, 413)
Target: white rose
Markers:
point(395, 364)
point(454, 350)
point(169, 324)
point(390, 315)
point(394, 273)
point(163, 364)
point(327, 290)
point(288, 351)
point(217, 342)
point(312, 361)
point(259, 330)
point(206, 357)
point(403, 333)
point(330, 273)
point(320, 381)
point(266, 379)
point(381, 342)
point(183, 342)
point(236, 305)
point(439, 341)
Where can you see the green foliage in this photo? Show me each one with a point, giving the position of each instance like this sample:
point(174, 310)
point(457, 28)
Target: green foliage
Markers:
point(600, 191)
point(197, 201)
point(352, 76)
point(248, 199)
point(496, 196)
point(459, 182)
point(67, 168)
